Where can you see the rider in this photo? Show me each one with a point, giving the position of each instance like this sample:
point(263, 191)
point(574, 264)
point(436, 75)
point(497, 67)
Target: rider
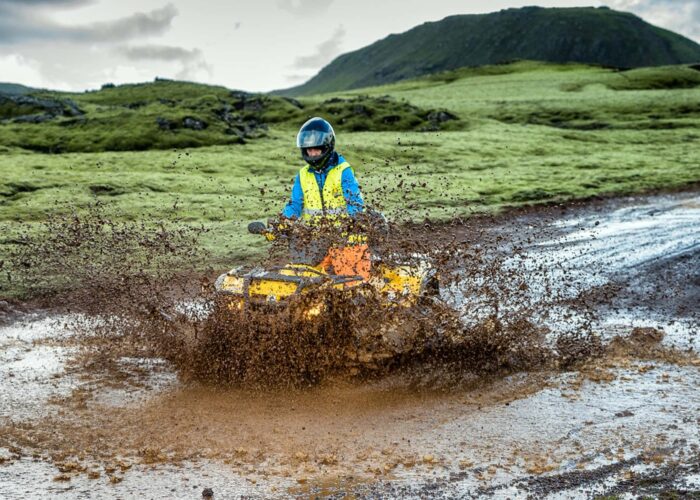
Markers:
point(326, 190)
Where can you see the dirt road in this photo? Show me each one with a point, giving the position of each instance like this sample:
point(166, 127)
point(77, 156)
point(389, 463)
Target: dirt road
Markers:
point(623, 422)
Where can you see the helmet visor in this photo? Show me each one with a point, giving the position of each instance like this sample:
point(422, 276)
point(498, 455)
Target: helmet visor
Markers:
point(313, 138)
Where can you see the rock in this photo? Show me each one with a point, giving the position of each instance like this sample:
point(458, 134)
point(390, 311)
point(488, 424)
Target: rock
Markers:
point(207, 493)
point(226, 114)
point(164, 123)
point(29, 109)
point(441, 116)
point(240, 95)
point(254, 105)
point(391, 119)
point(361, 110)
point(73, 109)
point(247, 102)
point(193, 123)
point(625, 413)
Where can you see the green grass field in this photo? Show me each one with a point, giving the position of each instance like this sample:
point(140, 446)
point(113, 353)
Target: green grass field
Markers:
point(527, 133)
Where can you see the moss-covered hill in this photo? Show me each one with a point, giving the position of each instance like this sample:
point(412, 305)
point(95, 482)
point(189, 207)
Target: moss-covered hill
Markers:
point(169, 114)
point(589, 35)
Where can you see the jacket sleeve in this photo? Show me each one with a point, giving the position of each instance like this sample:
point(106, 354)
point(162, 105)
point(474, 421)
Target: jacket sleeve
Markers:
point(351, 192)
point(294, 206)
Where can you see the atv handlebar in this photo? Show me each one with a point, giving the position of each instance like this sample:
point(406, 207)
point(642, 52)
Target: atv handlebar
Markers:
point(370, 221)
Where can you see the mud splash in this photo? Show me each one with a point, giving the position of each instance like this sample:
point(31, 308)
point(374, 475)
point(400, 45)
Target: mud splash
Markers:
point(88, 260)
point(491, 316)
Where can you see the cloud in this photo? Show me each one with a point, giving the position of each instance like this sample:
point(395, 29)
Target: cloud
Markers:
point(682, 16)
point(28, 71)
point(160, 52)
point(297, 78)
point(19, 23)
point(192, 61)
point(76, 55)
point(305, 7)
point(325, 52)
point(52, 3)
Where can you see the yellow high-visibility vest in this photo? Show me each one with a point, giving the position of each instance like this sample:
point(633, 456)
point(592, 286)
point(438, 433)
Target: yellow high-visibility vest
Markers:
point(329, 202)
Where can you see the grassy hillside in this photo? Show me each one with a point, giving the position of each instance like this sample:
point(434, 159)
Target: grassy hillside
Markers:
point(527, 133)
point(170, 114)
point(583, 34)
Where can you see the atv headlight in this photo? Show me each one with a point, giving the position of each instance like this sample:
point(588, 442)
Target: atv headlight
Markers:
point(313, 311)
point(232, 284)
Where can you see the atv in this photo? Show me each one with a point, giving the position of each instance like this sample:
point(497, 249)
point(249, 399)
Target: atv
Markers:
point(398, 291)
point(398, 285)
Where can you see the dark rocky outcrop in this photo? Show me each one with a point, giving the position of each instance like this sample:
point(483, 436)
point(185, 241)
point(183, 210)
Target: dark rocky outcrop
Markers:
point(30, 109)
point(165, 124)
point(194, 123)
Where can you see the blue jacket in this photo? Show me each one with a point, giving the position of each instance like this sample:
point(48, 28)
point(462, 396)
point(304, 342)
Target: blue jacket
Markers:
point(351, 190)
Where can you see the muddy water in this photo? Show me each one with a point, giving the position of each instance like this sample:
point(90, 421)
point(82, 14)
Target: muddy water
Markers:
point(134, 429)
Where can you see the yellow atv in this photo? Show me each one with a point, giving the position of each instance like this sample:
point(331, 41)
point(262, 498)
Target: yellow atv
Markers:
point(370, 317)
point(396, 285)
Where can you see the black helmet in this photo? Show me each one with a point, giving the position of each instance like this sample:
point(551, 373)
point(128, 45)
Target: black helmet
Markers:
point(316, 133)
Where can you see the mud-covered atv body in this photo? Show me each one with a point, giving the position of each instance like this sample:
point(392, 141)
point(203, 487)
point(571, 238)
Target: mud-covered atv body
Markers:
point(394, 291)
point(395, 285)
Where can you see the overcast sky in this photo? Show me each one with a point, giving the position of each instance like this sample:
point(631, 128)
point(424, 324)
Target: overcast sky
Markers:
point(251, 45)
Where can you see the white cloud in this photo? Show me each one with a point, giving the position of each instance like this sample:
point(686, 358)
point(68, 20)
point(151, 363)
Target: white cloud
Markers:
point(298, 78)
point(192, 63)
point(305, 8)
point(325, 52)
point(21, 22)
point(27, 71)
point(681, 16)
point(77, 55)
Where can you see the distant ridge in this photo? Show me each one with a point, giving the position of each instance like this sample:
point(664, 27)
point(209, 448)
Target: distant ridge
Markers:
point(581, 34)
point(15, 89)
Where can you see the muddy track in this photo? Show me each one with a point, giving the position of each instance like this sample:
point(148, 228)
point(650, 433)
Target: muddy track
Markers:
point(623, 419)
